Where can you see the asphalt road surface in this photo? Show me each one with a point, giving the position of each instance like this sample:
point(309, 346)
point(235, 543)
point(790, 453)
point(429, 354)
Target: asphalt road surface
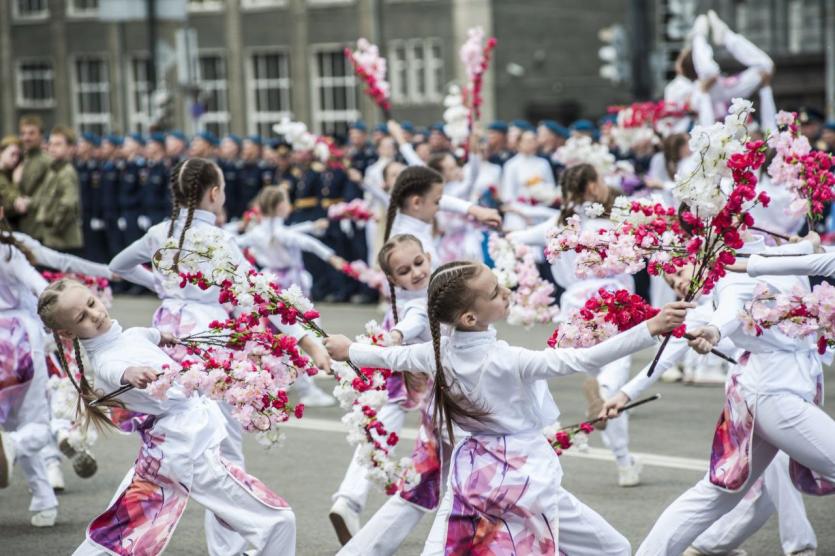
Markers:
point(672, 436)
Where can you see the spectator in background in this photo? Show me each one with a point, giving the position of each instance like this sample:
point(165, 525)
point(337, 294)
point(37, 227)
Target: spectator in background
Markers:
point(14, 203)
point(35, 167)
point(57, 204)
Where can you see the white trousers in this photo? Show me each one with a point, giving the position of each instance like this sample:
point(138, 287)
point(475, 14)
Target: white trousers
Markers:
point(28, 427)
point(582, 531)
point(268, 530)
point(616, 435)
point(385, 532)
point(354, 487)
point(221, 540)
point(784, 422)
point(777, 493)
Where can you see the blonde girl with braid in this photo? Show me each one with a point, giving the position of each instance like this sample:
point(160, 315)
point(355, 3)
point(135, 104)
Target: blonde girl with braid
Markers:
point(180, 456)
point(24, 407)
point(198, 193)
point(504, 494)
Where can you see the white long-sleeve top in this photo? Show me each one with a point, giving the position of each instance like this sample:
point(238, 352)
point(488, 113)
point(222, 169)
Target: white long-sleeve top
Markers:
point(414, 317)
point(276, 246)
point(61, 261)
point(507, 381)
point(195, 423)
point(405, 224)
point(20, 283)
point(128, 264)
point(806, 263)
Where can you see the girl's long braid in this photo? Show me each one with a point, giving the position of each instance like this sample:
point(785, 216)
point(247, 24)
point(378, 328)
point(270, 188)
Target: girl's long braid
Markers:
point(189, 186)
point(173, 185)
point(86, 394)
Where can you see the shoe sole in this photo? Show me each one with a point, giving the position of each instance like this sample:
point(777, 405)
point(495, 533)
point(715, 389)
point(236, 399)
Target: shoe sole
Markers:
point(66, 449)
point(5, 470)
point(342, 532)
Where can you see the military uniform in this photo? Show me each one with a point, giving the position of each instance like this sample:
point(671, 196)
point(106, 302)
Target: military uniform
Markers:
point(111, 173)
point(58, 208)
point(155, 194)
point(35, 168)
point(9, 192)
point(231, 170)
point(253, 177)
point(133, 176)
point(89, 181)
point(334, 187)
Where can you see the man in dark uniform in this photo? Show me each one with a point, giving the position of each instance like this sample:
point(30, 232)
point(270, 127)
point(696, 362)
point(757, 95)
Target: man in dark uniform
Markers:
point(230, 163)
point(307, 207)
point(361, 156)
point(497, 151)
point(89, 181)
point(254, 174)
point(203, 145)
point(156, 189)
point(130, 187)
point(176, 147)
point(550, 136)
point(111, 175)
point(335, 184)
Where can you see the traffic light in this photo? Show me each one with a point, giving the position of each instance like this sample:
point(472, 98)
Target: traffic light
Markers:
point(162, 110)
point(614, 54)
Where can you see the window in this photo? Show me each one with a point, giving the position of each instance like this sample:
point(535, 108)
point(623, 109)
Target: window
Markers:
point(754, 23)
point(139, 117)
point(416, 71)
point(213, 96)
point(91, 95)
point(255, 4)
point(30, 9)
point(316, 3)
point(334, 92)
point(268, 90)
point(805, 22)
point(205, 5)
point(83, 8)
point(35, 84)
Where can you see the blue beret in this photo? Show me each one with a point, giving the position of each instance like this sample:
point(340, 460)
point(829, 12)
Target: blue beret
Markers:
point(556, 128)
point(359, 125)
point(437, 126)
point(256, 139)
point(830, 125)
point(807, 115)
point(583, 125)
point(157, 137)
point(234, 138)
point(524, 125)
point(179, 135)
point(114, 139)
point(498, 125)
point(608, 118)
point(382, 128)
point(91, 138)
point(407, 126)
point(138, 138)
point(208, 137)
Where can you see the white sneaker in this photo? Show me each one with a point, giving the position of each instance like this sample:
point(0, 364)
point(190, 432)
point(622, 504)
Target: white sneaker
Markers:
point(718, 28)
point(316, 397)
point(804, 552)
point(345, 521)
point(55, 475)
point(700, 27)
point(44, 518)
point(630, 475)
point(6, 459)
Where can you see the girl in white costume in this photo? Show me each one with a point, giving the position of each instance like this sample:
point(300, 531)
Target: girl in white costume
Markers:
point(582, 186)
point(408, 268)
point(771, 405)
point(180, 454)
point(498, 394)
point(198, 192)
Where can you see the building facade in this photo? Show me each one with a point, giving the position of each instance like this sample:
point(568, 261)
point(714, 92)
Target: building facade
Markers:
point(256, 61)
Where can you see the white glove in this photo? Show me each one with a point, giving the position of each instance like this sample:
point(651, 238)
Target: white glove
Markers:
point(345, 226)
point(143, 222)
point(122, 223)
point(96, 224)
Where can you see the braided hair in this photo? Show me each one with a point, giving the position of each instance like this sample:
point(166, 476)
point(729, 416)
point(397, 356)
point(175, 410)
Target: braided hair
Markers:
point(449, 297)
point(96, 415)
point(414, 180)
point(190, 179)
point(574, 183)
point(8, 238)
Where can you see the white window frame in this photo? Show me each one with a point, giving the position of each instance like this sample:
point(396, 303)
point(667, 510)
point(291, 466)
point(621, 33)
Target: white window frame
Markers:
point(79, 118)
point(329, 3)
point(204, 6)
point(77, 13)
point(263, 4)
point(223, 118)
point(797, 34)
point(20, 101)
point(139, 116)
point(254, 118)
point(37, 16)
point(407, 91)
point(319, 116)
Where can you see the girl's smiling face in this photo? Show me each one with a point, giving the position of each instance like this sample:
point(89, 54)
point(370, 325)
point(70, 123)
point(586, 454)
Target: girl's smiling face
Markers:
point(81, 314)
point(410, 266)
